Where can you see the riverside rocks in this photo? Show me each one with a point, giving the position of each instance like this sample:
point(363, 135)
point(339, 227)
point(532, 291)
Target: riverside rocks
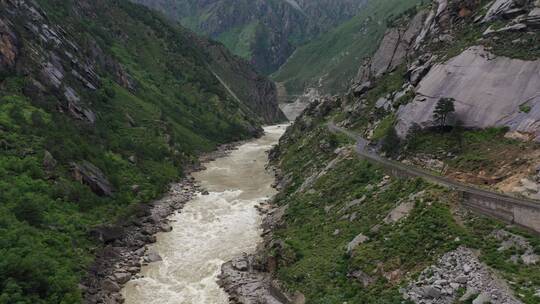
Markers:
point(125, 251)
point(249, 279)
point(242, 279)
point(458, 270)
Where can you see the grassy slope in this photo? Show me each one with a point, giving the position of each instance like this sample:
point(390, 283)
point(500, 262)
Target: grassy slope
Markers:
point(240, 39)
point(178, 110)
point(314, 259)
point(336, 56)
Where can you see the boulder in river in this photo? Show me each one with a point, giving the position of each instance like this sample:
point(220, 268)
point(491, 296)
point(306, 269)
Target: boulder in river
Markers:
point(152, 257)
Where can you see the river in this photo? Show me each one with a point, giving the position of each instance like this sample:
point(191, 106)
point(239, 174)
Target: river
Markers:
point(210, 230)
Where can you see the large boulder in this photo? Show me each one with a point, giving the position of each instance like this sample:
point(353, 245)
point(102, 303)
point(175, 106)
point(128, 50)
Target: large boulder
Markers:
point(90, 175)
point(488, 91)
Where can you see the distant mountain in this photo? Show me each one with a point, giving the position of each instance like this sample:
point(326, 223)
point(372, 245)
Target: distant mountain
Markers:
point(266, 32)
point(331, 61)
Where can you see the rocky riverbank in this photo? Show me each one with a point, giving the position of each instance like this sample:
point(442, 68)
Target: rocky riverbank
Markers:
point(250, 278)
point(124, 251)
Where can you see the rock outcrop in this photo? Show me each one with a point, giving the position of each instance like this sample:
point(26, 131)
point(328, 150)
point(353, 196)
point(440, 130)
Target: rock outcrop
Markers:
point(246, 285)
point(52, 51)
point(395, 48)
point(90, 175)
point(396, 45)
point(124, 251)
point(488, 91)
point(505, 9)
point(459, 270)
point(9, 48)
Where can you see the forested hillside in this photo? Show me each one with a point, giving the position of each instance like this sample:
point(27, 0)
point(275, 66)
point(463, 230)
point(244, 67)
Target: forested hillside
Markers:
point(102, 104)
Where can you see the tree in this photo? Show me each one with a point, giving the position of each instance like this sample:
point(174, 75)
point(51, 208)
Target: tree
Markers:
point(391, 142)
point(444, 107)
point(31, 211)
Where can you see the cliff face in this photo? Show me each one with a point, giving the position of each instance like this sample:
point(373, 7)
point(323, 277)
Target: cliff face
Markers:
point(491, 86)
point(264, 32)
point(488, 91)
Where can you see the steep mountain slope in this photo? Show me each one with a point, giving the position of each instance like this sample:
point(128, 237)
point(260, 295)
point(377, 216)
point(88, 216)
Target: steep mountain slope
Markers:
point(331, 61)
point(264, 32)
point(102, 104)
point(347, 229)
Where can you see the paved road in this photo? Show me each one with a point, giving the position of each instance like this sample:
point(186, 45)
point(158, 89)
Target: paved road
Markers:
point(362, 150)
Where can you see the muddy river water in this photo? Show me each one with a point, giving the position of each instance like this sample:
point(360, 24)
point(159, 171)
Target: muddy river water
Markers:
point(210, 230)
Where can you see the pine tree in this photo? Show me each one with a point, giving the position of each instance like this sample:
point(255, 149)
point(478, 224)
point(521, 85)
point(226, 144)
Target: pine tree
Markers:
point(444, 107)
point(391, 142)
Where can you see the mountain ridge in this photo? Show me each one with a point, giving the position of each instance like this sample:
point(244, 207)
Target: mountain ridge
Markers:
point(264, 32)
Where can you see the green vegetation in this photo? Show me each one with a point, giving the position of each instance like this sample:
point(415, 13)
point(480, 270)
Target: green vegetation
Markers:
point(266, 32)
point(339, 53)
point(362, 120)
point(142, 137)
point(384, 126)
point(320, 222)
point(521, 45)
point(391, 143)
point(525, 108)
point(443, 108)
point(469, 150)
point(239, 40)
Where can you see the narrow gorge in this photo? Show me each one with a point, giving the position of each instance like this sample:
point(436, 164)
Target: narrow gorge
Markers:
point(270, 152)
point(217, 225)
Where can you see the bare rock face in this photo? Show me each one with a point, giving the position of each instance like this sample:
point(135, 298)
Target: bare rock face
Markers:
point(488, 91)
point(505, 9)
point(458, 270)
point(9, 49)
point(396, 45)
point(92, 176)
point(25, 28)
point(359, 239)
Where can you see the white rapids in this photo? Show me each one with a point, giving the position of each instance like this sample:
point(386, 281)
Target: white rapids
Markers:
point(210, 229)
